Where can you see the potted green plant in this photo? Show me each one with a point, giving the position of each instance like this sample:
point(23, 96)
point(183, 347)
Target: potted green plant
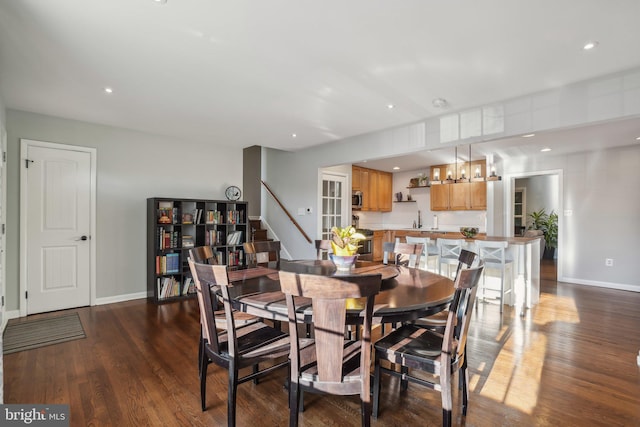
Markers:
point(548, 223)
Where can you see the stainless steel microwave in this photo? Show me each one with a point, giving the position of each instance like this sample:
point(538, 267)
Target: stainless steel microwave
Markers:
point(356, 200)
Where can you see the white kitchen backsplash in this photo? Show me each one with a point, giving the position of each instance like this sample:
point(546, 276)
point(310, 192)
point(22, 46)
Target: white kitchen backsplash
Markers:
point(403, 217)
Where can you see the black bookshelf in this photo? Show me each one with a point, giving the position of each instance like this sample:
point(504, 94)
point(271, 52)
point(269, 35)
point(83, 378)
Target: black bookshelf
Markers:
point(176, 225)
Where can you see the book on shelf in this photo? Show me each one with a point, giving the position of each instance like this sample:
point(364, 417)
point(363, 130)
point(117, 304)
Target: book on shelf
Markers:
point(188, 283)
point(187, 241)
point(213, 217)
point(168, 287)
point(234, 238)
point(235, 217)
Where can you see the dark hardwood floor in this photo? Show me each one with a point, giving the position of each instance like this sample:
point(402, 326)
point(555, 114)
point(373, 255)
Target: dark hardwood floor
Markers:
point(570, 361)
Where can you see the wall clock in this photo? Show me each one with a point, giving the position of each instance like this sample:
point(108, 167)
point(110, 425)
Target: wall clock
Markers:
point(233, 193)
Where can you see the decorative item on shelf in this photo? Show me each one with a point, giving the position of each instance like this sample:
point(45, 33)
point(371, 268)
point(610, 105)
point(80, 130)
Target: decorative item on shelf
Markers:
point(233, 193)
point(424, 180)
point(469, 232)
point(414, 182)
point(409, 197)
point(344, 243)
point(399, 196)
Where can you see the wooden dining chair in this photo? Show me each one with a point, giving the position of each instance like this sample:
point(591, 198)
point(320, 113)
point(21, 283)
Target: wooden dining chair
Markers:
point(237, 347)
point(264, 253)
point(332, 364)
point(407, 254)
point(430, 250)
point(205, 255)
point(323, 249)
point(439, 354)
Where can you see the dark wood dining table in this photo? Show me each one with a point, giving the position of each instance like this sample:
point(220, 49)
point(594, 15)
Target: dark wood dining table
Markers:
point(406, 293)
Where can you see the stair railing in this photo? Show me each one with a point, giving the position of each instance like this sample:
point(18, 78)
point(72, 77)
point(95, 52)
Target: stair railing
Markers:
point(286, 212)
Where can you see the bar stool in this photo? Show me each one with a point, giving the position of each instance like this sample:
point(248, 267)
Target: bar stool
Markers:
point(495, 257)
point(449, 253)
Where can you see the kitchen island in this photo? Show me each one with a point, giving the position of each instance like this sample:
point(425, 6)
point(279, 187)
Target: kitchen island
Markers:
point(524, 251)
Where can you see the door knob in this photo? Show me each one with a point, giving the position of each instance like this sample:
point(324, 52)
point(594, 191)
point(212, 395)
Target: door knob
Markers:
point(82, 238)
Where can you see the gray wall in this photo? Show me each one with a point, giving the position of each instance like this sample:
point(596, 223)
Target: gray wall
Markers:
point(131, 166)
point(604, 202)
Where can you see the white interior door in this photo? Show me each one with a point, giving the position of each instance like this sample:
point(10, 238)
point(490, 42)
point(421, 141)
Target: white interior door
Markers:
point(56, 194)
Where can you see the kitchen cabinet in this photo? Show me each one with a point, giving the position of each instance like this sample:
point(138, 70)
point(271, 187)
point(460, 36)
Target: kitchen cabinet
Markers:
point(356, 181)
point(379, 237)
point(376, 187)
point(439, 197)
point(385, 188)
point(458, 196)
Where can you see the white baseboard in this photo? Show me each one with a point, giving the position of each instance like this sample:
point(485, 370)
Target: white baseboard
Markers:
point(609, 285)
point(120, 298)
point(13, 314)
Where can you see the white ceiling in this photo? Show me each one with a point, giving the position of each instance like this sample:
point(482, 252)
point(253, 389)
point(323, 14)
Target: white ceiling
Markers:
point(245, 73)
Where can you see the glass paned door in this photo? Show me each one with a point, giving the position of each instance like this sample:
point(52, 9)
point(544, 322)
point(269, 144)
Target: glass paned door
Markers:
point(519, 211)
point(334, 203)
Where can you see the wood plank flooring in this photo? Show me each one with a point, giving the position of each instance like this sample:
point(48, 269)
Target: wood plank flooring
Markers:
point(571, 361)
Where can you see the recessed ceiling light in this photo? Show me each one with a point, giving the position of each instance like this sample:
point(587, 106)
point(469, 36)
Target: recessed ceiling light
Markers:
point(590, 45)
point(439, 103)
point(160, 1)
point(544, 150)
point(108, 90)
point(638, 138)
point(396, 168)
point(390, 106)
point(529, 135)
point(293, 135)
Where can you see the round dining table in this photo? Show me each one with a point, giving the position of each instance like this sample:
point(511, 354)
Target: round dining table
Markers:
point(406, 293)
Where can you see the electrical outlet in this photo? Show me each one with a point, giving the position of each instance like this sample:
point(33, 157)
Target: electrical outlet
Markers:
point(608, 262)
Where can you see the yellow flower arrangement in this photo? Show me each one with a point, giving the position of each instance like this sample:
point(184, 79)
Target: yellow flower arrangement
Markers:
point(344, 241)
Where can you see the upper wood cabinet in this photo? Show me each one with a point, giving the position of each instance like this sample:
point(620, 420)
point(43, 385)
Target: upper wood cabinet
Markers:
point(461, 195)
point(356, 181)
point(440, 197)
point(376, 187)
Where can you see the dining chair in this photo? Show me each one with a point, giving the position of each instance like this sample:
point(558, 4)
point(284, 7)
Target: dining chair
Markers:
point(430, 250)
point(237, 347)
point(407, 254)
point(438, 321)
point(205, 255)
point(449, 253)
point(494, 255)
point(439, 354)
point(323, 249)
point(332, 364)
point(264, 253)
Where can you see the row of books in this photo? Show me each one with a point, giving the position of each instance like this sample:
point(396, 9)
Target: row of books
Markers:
point(235, 258)
point(234, 238)
point(235, 217)
point(167, 239)
point(170, 287)
point(168, 264)
point(213, 237)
